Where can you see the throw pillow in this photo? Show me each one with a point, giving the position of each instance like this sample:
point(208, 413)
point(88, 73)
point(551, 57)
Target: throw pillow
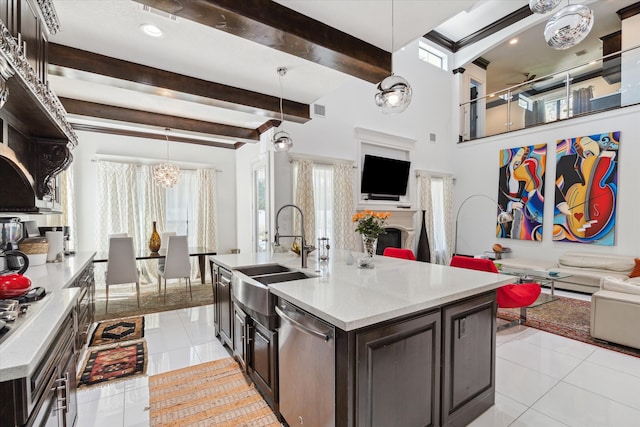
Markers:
point(636, 270)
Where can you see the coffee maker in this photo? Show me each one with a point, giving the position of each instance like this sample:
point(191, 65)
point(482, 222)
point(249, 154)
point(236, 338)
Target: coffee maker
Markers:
point(12, 232)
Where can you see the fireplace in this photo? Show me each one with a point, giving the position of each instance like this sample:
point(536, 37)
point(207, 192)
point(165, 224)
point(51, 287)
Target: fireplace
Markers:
point(400, 231)
point(393, 239)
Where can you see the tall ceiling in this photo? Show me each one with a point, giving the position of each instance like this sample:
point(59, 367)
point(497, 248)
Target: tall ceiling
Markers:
point(212, 77)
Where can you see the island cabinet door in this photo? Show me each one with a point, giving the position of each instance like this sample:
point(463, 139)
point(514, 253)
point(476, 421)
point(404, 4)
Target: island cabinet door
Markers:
point(262, 347)
point(468, 378)
point(225, 307)
point(239, 336)
point(398, 373)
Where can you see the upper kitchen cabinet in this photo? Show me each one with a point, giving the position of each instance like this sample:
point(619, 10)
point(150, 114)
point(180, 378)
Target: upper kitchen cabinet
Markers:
point(37, 138)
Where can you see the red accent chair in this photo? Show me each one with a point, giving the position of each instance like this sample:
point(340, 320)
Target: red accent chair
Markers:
point(399, 253)
point(508, 296)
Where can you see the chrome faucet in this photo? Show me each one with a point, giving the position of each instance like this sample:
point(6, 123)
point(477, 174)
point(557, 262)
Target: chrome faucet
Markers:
point(303, 247)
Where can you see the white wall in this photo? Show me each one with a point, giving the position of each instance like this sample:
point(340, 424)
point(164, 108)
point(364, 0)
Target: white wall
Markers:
point(86, 189)
point(476, 172)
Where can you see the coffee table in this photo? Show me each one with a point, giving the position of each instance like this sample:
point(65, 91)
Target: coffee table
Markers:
point(537, 276)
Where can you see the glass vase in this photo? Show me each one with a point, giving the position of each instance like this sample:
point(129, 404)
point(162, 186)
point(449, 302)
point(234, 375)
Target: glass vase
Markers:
point(369, 243)
point(154, 240)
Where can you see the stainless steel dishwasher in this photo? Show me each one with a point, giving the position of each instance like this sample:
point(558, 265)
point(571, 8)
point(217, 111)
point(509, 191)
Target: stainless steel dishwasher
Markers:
point(306, 365)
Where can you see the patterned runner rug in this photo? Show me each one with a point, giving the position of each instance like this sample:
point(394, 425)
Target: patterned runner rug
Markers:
point(112, 363)
point(567, 317)
point(214, 393)
point(118, 330)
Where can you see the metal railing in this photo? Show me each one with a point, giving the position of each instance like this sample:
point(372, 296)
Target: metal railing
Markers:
point(610, 82)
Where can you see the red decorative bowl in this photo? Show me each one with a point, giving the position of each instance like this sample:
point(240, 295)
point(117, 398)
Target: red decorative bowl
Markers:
point(14, 285)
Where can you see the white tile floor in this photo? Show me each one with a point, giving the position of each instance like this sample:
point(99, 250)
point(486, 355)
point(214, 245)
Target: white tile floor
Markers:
point(541, 379)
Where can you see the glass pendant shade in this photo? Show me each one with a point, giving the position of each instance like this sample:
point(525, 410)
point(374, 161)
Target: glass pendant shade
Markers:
point(543, 6)
point(568, 27)
point(166, 174)
point(393, 94)
point(282, 141)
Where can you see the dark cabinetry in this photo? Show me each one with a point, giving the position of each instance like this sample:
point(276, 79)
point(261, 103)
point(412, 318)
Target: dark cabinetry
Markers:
point(262, 361)
point(224, 306)
point(240, 336)
point(398, 373)
point(611, 66)
point(468, 378)
point(48, 395)
point(85, 310)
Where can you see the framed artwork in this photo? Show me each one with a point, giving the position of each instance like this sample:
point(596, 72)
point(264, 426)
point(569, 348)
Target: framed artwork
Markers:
point(586, 189)
point(521, 192)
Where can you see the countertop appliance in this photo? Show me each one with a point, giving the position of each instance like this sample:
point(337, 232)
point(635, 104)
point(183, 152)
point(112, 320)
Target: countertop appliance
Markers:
point(13, 262)
point(12, 231)
point(306, 359)
point(14, 311)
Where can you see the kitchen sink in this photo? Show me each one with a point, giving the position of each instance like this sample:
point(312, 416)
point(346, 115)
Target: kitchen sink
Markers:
point(259, 270)
point(251, 286)
point(282, 277)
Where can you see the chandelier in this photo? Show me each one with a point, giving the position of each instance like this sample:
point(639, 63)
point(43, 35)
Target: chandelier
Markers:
point(393, 94)
point(282, 140)
point(568, 27)
point(166, 174)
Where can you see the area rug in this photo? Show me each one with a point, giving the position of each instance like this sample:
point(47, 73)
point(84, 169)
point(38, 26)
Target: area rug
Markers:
point(119, 330)
point(112, 363)
point(567, 317)
point(214, 393)
point(122, 299)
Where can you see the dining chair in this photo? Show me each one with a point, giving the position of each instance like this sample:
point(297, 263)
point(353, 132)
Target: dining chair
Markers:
point(176, 265)
point(399, 253)
point(121, 265)
point(164, 241)
point(513, 295)
point(118, 235)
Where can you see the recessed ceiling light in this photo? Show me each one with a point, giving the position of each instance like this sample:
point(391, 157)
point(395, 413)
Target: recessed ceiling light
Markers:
point(513, 41)
point(151, 30)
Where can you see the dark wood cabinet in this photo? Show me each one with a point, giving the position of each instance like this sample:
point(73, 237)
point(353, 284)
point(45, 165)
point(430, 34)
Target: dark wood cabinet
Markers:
point(33, 37)
point(468, 379)
point(224, 306)
point(240, 336)
point(263, 349)
point(9, 15)
point(85, 310)
point(216, 312)
point(611, 66)
point(398, 373)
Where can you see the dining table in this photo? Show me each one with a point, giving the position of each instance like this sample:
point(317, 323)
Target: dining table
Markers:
point(142, 254)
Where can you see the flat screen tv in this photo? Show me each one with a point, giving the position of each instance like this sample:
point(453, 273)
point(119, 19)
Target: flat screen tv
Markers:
point(384, 177)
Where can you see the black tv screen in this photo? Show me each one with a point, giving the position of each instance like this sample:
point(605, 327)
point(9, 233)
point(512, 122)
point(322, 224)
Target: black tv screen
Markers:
point(384, 176)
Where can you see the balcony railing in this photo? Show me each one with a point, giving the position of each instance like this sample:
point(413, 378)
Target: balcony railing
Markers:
point(610, 82)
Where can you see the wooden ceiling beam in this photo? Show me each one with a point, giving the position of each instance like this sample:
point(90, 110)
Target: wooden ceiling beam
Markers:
point(91, 109)
point(273, 25)
point(64, 58)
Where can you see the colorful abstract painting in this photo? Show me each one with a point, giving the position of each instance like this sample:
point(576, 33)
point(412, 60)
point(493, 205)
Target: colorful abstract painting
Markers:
point(586, 189)
point(521, 192)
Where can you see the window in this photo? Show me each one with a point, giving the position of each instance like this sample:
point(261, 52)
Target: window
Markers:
point(181, 205)
point(439, 240)
point(432, 56)
point(557, 109)
point(322, 199)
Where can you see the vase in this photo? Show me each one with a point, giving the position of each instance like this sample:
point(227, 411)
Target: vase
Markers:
point(154, 240)
point(369, 244)
point(424, 253)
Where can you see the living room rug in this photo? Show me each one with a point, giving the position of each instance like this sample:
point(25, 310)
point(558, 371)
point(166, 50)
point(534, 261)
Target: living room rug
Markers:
point(214, 393)
point(567, 317)
point(118, 330)
point(112, 363)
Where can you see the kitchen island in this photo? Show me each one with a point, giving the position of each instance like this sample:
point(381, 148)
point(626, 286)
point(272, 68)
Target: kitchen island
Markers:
point(413, 343)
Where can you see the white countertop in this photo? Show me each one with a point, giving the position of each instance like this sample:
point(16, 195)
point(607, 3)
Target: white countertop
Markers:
point(349, 297)
point(21, 352)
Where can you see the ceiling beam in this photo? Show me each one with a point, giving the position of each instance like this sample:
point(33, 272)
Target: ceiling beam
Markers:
point(91, 109)
point(63, 60)
point(273, 25)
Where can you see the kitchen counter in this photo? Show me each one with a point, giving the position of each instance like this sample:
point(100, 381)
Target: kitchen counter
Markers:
point(25, 347)
point(350, 298)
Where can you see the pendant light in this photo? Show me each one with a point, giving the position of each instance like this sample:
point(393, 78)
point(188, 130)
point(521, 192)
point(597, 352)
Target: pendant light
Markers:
point(568, 27)
point(543, 6)
point(394, 92)
point(166, 174)
point(281, 140)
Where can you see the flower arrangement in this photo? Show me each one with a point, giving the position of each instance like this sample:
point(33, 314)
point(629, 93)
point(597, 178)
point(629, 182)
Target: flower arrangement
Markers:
point(371, 223)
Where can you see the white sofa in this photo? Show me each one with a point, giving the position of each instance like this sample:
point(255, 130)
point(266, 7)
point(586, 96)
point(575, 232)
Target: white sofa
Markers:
point(615, 311)
point(586, 269)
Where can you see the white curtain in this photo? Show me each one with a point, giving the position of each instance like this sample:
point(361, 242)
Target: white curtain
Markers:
point(205, 215)
point(118, 206)
point(69, 206)
point(323, 201)
point(304, 199)
point(152, 199)
point(343, 207)
point(426, 204)
point(448, 216)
